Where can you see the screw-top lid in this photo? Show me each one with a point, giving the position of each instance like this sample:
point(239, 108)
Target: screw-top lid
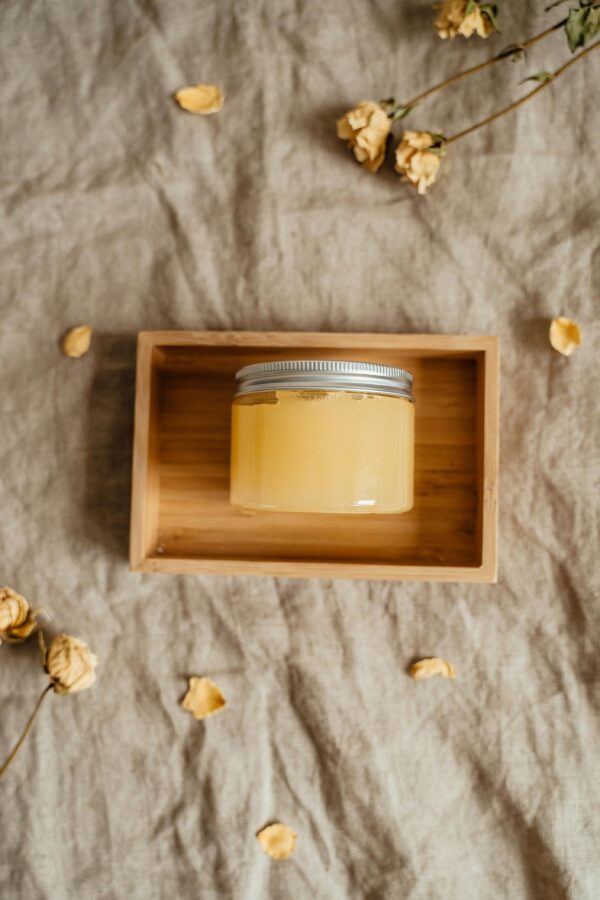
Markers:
point(324, 375)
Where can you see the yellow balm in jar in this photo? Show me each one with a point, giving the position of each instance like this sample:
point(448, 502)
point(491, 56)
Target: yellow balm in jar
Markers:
point(323, 436)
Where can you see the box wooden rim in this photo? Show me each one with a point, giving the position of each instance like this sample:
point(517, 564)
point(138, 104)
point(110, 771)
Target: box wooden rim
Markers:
point(484, 344)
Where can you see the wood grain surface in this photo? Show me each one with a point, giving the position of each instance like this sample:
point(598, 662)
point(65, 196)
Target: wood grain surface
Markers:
point(181, 517)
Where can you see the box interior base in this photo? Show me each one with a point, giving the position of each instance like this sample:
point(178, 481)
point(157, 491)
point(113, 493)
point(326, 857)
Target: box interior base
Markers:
point(190, 429)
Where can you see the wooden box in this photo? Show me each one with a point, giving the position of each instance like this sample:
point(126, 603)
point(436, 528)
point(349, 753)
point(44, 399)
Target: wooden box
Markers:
point(181, 520)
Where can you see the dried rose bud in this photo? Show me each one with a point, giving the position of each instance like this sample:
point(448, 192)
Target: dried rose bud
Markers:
point(419, 158)
point(17, 619)
point(366, 128)
point(465, 17)
point(70, 664)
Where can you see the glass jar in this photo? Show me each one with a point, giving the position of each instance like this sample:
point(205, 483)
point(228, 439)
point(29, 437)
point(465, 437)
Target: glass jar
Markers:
point(323, 436)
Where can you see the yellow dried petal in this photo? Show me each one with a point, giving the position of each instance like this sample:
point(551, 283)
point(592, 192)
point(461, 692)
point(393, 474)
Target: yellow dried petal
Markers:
point(427, 668)
point(418, 140)
point(203, 698)
point(278, 840)
point(76, 342)
point(565, 335)
point(201, 99)
point(21, 632)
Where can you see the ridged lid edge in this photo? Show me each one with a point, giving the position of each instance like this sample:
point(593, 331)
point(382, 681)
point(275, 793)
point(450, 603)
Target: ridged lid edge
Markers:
point(325, 374)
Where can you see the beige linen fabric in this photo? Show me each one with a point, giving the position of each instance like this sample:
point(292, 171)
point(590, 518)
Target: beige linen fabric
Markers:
point(120, 210)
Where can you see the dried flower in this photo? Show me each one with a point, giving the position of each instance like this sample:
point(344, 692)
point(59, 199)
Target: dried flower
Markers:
point(203, 698)
point(419, 158)
point(278, 840)
point(427, 668)
point(76, 342)
point(70, 664)
point(366, 128)
point(465, 17)
point(17, 619)
point(201, 99)
point(564, 335)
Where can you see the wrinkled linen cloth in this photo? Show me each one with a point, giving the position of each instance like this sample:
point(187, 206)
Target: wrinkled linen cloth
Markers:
point(120, 210)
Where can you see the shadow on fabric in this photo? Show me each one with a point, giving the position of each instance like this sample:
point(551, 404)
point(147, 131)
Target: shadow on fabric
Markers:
point(109, 443)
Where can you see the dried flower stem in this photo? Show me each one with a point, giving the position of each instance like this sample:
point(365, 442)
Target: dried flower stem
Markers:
point(522, 100)
point(484, 65)
point(17, 746)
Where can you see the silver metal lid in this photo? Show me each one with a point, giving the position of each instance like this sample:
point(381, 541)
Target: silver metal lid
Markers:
point(324, 375)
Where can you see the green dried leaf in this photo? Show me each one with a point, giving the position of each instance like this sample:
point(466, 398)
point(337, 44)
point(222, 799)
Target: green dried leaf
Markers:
point(438, 144)
point(438, 140)
point(401, 112)
point(42, 647)
point(395, 110)
point(490, 11)
point(388, 105)
point(582, 3)
point(539, 76)
point(516, 51)
point(582, 25)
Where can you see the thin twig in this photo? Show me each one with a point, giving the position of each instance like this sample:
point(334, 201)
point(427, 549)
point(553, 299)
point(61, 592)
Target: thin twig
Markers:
point(517, 103)
point(17, 746)
point(489, 62)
